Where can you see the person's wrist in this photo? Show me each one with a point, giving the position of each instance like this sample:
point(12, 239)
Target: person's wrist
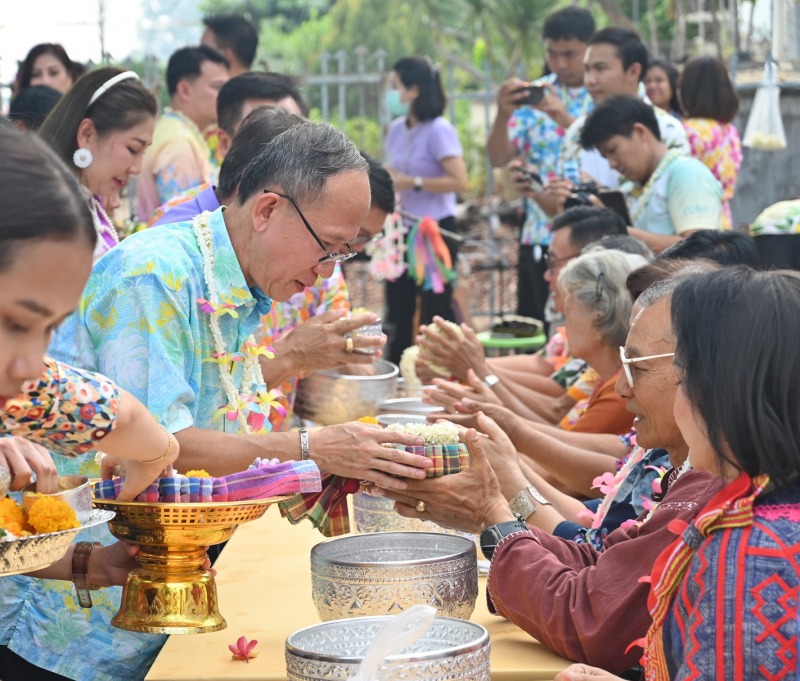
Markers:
point(96, 568)
point(497, 512)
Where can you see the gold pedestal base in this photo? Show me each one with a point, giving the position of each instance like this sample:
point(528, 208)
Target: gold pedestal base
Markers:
point(171, 592)
point(157, 603)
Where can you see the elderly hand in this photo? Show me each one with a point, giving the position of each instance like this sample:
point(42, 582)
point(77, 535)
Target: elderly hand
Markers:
point(110, 565)
point(138, 474)
point(469, 501)
point(582, 672)
point(447, 347)
point(355, 450)
point(450, 394)
point(320, 343)
point(22, 459)
point(468, 410)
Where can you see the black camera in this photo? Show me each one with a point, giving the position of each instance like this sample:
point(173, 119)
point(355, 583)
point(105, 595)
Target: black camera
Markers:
point(580, 195)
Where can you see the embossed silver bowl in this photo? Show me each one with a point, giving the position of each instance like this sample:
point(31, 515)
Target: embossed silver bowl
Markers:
point(73, 489)
point(452, 650)
point(386, 572)
point(40, 550)
point(402, 419)
point(331, 397)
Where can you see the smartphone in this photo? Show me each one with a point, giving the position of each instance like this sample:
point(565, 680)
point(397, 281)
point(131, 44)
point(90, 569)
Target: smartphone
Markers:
point(615, 200)
point(533, 95)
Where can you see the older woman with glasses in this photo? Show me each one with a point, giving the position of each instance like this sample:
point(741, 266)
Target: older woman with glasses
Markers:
point(723, 595)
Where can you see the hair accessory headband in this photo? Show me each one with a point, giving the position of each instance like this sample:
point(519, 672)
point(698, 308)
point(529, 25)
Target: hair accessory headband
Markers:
point(111, 82)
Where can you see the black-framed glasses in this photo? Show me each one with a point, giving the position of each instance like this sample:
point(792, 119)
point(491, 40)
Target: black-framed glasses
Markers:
point(328, 257)
point(551, 263)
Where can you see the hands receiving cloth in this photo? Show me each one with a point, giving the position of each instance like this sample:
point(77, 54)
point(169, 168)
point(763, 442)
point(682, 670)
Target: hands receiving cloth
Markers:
point(469, 501)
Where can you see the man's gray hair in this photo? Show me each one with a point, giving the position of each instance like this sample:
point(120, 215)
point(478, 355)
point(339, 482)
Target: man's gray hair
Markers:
point(664, 288)
point(597, 281)
point(299, 162)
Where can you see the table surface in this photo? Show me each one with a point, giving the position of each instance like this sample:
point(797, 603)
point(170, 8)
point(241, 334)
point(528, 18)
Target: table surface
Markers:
point(264, 588)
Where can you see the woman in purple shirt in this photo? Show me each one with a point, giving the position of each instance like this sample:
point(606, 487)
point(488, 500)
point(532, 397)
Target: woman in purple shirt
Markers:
point(426, 162)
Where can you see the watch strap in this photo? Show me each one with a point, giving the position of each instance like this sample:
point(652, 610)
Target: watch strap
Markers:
point(494, 534)
point(80, 572)
point(305, 453)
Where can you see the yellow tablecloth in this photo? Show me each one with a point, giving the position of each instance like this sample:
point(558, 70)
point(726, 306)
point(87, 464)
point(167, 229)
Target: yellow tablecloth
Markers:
point(264, 586)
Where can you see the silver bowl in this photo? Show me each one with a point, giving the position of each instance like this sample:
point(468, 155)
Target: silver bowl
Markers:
point(451, 650)
point(386, 572)
point(73, 489)
point(408, 405)
point(330, 397)
point(40, 550)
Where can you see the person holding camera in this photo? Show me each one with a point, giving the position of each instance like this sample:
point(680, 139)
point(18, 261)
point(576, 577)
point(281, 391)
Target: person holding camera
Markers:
point(669, 195)
point(615, 63)
point(530, 124)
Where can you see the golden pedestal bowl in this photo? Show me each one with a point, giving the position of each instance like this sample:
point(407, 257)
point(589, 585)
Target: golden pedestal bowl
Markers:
point(170, 592)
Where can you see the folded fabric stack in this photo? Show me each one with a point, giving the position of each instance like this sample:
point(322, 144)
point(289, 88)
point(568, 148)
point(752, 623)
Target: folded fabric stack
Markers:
point(263, 479)
point(327, 510)
point(447, 459)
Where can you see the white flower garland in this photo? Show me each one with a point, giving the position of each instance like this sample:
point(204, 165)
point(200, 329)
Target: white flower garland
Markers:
point(250, 398)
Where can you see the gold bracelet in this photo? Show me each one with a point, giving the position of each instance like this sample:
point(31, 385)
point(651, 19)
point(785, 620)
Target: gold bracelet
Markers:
point(165, 454)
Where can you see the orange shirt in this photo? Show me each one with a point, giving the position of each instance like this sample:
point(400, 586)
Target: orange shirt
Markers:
point(605, 412)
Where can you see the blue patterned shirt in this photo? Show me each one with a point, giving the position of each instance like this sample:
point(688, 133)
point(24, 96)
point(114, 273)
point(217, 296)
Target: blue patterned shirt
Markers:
point(538, 138)
point(137, 322)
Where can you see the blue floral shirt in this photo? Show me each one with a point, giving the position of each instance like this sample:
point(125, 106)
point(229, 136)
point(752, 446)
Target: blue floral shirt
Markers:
point(137, 322)
point(538, 138)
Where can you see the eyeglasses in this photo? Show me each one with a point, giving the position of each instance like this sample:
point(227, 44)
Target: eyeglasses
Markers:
point(627, 362)
point(551, 263)
point(365, 238)
point(328, 257)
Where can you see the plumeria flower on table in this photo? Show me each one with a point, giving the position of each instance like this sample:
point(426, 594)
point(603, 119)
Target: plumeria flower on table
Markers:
point(243, 649)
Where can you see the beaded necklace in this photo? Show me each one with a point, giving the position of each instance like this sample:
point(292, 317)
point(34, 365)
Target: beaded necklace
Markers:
point(106, 228)
point(249, 406)
point(644, 195)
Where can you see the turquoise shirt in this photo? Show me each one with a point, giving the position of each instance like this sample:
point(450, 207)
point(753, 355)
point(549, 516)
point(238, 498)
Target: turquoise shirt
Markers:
point(138, 322)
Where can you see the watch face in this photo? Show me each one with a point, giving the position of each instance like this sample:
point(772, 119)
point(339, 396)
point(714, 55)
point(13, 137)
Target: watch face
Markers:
point(522, 504)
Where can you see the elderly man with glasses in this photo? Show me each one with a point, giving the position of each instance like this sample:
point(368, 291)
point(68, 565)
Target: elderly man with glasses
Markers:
point(144, 318)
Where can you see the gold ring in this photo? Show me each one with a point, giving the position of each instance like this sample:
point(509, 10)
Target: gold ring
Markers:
point(348, 345)
point(420, 507)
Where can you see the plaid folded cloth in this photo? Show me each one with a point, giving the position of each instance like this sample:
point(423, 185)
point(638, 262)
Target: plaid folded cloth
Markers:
point(328, 510)
point(263, 479)
point(447, 459)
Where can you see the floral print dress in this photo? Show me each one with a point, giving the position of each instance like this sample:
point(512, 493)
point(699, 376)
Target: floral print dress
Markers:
point(718, 146)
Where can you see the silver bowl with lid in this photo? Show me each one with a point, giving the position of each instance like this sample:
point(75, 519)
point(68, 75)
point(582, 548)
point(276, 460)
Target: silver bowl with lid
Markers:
point(452, 650)
point(386, 572)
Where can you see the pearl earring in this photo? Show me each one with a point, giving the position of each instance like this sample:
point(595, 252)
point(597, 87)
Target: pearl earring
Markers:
point(82, 158)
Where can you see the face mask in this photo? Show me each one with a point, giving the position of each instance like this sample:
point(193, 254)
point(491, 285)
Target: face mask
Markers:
point(393, 104)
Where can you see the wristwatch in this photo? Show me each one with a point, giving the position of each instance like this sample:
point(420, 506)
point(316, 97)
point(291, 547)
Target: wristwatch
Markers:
point(522, 504)
point(80, 570)
point(491, 381)
point(492, 535)
point(418, 184)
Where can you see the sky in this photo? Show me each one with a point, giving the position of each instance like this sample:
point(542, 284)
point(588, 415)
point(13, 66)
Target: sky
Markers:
point(74, 24)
